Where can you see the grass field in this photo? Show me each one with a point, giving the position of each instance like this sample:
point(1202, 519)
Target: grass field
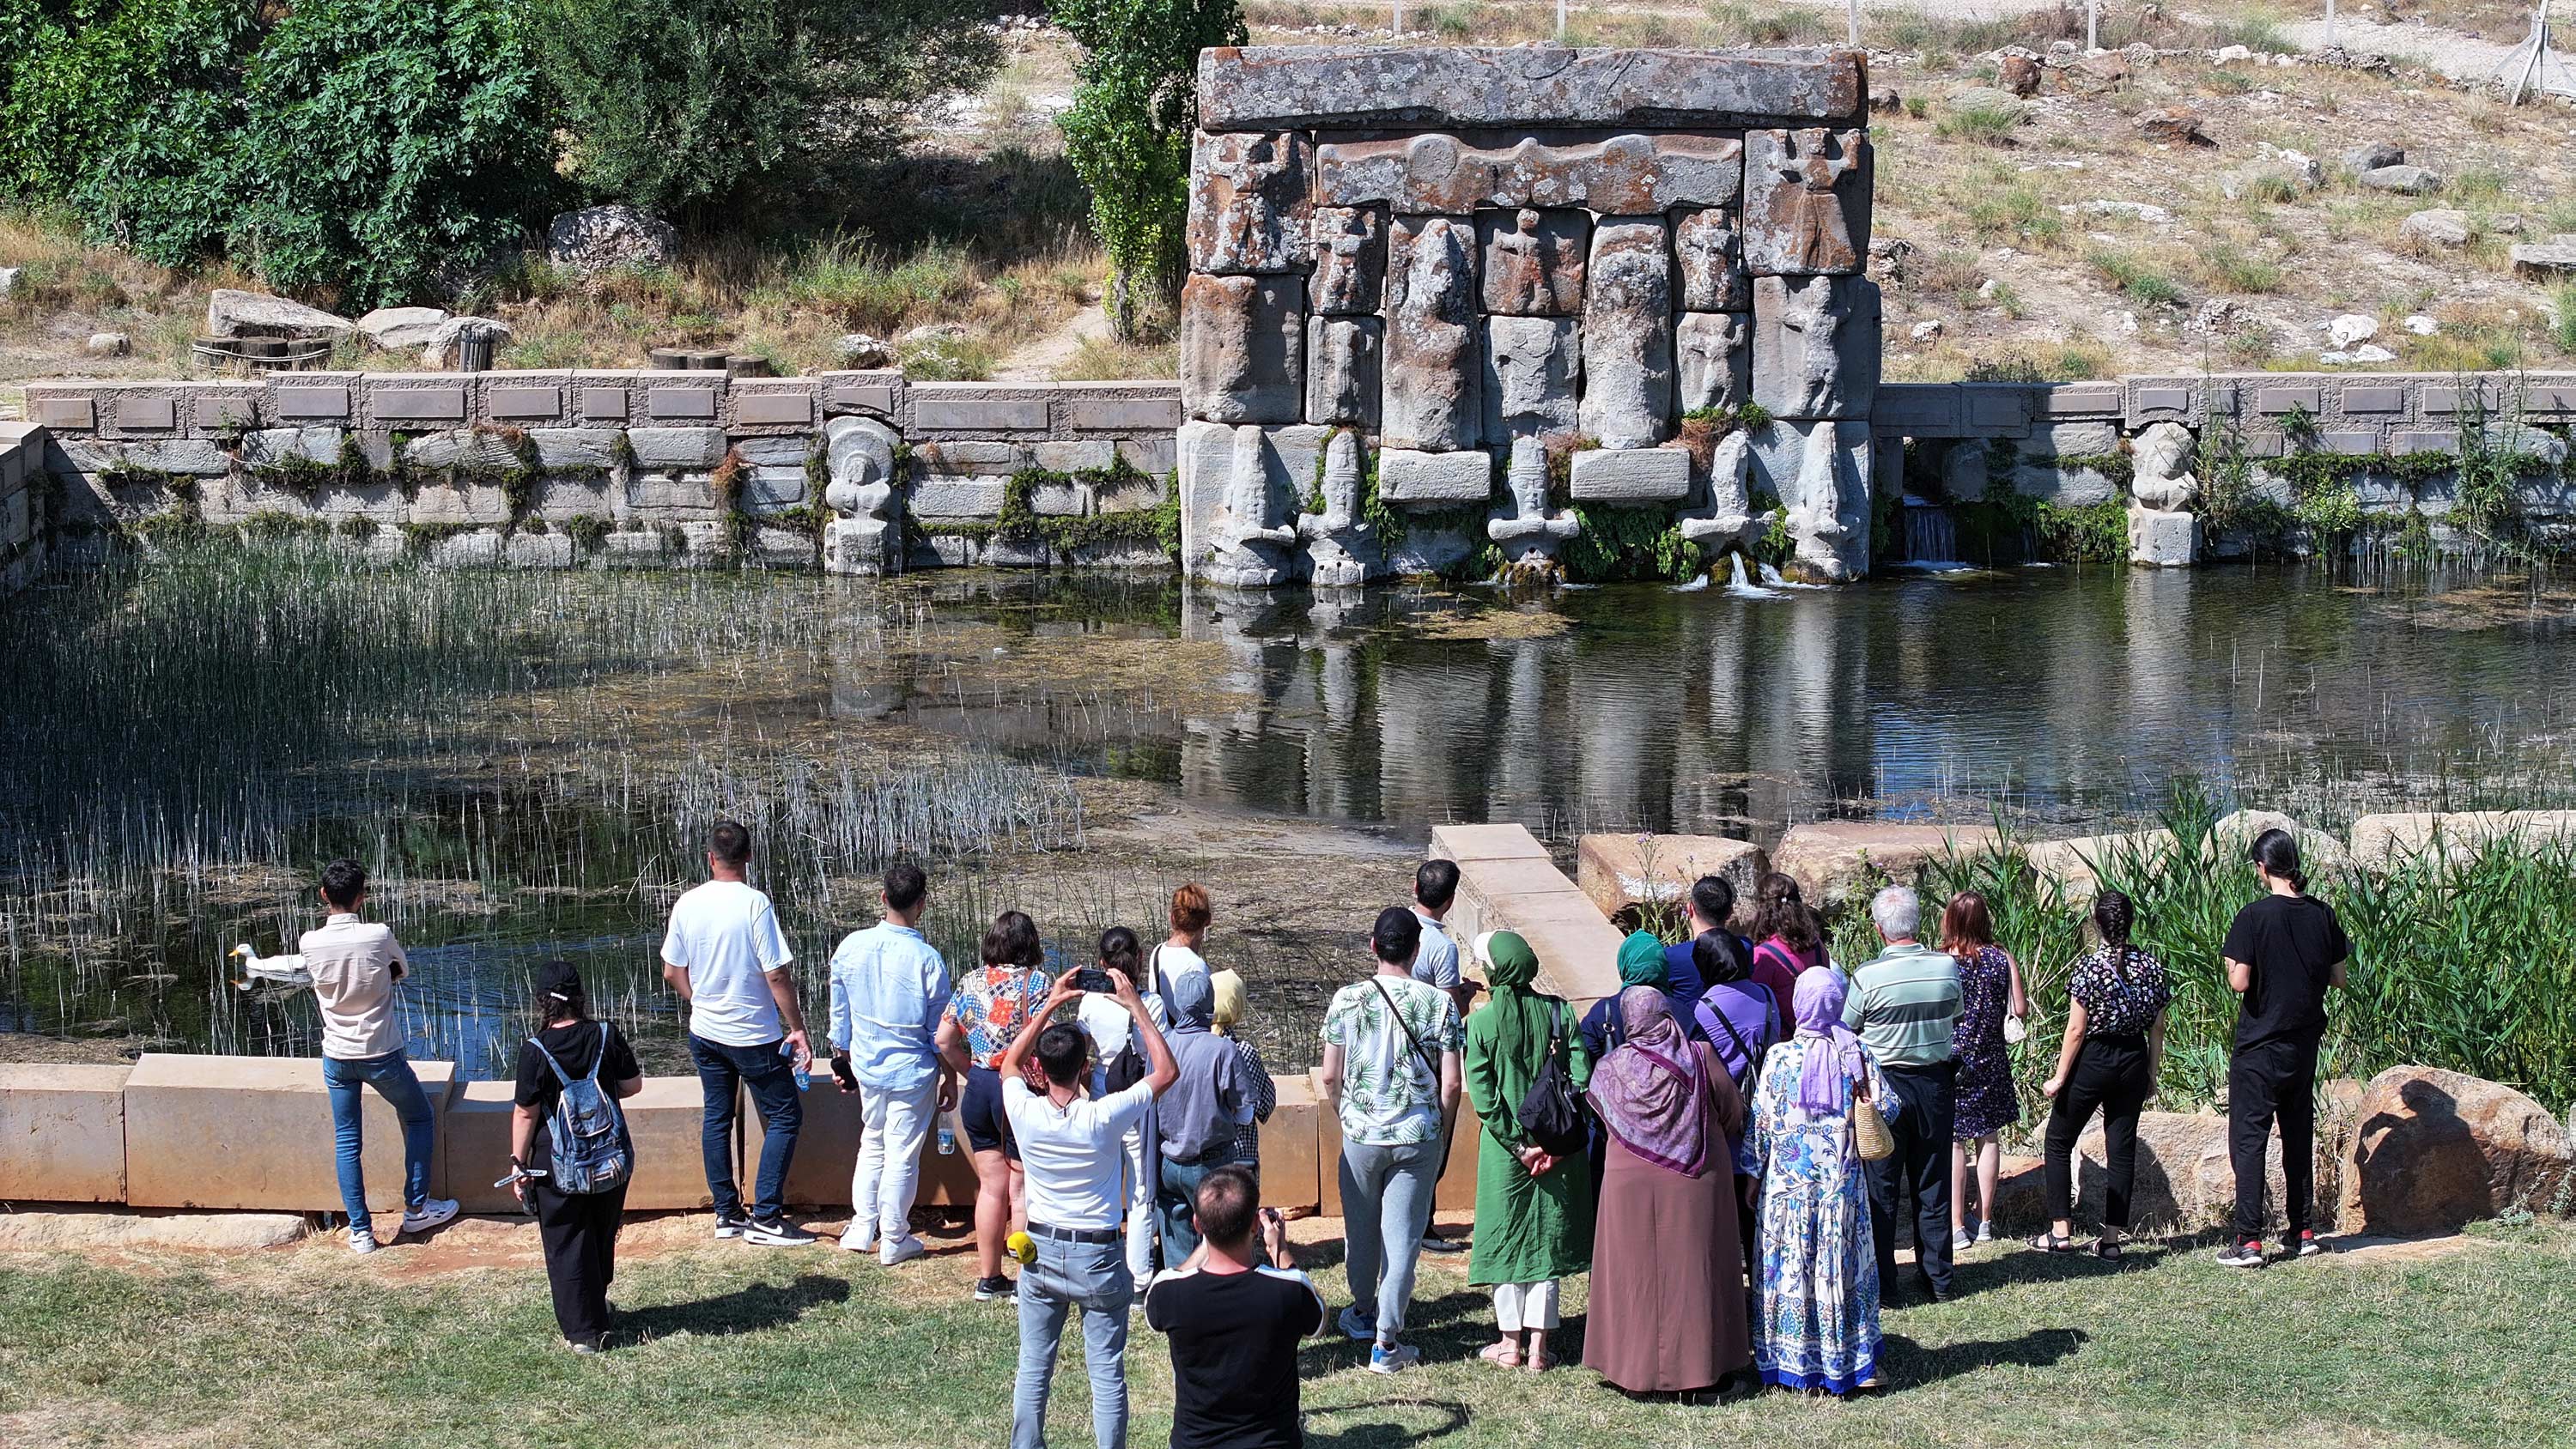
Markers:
point(2467, 1346)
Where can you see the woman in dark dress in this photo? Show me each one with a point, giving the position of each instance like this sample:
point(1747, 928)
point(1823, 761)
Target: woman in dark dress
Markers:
point(1989, 992)
point(579, 1230)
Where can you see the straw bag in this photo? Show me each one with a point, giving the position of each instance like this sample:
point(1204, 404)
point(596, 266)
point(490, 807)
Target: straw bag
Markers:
point(1870, 1137)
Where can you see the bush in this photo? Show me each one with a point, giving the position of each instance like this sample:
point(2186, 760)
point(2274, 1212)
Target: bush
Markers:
point(1993, 123)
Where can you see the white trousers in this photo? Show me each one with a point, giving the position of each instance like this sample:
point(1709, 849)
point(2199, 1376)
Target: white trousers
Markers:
point(892, 1126)
point(1521, 1306)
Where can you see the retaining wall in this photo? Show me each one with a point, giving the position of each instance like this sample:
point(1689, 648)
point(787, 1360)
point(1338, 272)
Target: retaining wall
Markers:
point(22, 505)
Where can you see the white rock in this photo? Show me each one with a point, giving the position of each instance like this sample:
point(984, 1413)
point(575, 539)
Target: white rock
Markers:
point(2373, 353)
point(2152, 215)
point(1928, 329)
point(9, 279)
point(2128, 322)
point(231, 313)
point(2227, 53)
point(399, 329)
point(1986, 290)
point(108, 344)
point(2441, 226)
point(610, 236)
point(858, 349)
point(2351, 328)
point(2421, 325)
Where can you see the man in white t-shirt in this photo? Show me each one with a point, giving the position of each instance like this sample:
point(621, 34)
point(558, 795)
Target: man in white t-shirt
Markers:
point(1071, 1148)
point(728, 960)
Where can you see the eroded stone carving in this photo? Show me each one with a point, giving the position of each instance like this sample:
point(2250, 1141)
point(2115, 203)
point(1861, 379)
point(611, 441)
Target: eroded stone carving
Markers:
point(1340, 551)
point(1815, 346)
point(1711, 256)
point(1815, 521)
point(1530, 534)
point(1243, 341)
point(1532, 367)
point(1806, 202)
point(2162, 456)
point(1716, 359)
point(1533, 261)
point(1627, 336)
point(1342, 372)
point(1820, 472)
point(1432, 371)
point(1248, 546)
point(1622, 176)
point(1724, 523)
point(860, 453)
point(1350, 260)
point(1248, 203)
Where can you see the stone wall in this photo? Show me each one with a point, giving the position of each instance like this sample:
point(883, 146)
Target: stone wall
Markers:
point(22, 505)
point(1447, 307)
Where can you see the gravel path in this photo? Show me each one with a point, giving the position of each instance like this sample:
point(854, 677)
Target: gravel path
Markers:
point(2461, 57)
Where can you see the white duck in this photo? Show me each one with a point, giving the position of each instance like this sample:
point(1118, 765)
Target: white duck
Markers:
point(286, 971)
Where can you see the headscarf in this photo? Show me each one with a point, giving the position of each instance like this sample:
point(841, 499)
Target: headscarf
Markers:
point(1833, 1051)
point(1230, 1000)
point(1190, 1000)
point(1510, 967)
point(1649, 1092)
point(1641, 962)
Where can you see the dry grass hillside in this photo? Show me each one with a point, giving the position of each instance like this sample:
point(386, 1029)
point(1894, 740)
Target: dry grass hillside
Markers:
point(2050, 238)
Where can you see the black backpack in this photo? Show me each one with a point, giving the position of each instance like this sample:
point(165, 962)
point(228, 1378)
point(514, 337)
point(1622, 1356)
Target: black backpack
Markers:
point(1550, 1113)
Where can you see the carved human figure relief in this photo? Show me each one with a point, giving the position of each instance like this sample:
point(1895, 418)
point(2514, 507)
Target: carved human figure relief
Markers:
point(1529, 535)
point(1725, 522)
point(1813, 315)
point(1247, 202)
point(1713, 277)
point(1250, 548)
point(1816, 522)
point(1342, 370)
point(1432, 371)
point(1806, 204)
point(2162, 455)
point(1715, 358)
point(1350, 260)
point(1340, 549)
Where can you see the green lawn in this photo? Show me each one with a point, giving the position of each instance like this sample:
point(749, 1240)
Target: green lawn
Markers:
point(743, 1346)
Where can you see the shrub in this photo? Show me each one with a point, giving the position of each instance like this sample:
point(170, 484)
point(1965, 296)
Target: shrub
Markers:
point(2562, 328)
point(1993, 123)
point(2230, 268)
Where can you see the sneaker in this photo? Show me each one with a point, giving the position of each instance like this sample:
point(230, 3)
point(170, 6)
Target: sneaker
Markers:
point(584, 1347)
point(2306, 1247)
point(1355, 1326)
point(1985, 1230)
point(362, 1242)
point(2243, 1255)
point(860, 1238)
point(902, 1250)
point(995, 1288)
point(1431, 1244)
point(776, 1233)
point(730, 1225)
point(433, 1212)
point(1393, 1358)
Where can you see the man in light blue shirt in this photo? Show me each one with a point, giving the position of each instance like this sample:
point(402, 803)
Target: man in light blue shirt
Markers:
point(888, 990)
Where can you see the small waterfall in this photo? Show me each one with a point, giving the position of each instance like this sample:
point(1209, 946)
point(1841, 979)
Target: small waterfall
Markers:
point(1742, 584)
point(1931, 539)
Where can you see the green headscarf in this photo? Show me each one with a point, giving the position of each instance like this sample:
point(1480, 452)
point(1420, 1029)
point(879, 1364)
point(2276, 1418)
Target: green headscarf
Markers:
point(1641, 961)
point(1518, 1016)
point(1510, 964)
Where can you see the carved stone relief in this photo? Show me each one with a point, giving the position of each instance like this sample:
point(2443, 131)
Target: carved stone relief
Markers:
point(1628, 335)
point(1806, 202)
point(1350, 260)
point(1533, 261)
point(1243, 341)
point(1815, 346)
point(1342, 370)
point(1248, 202)
point(1532, 368)
point(1707, 244)
point(1716, 359)
point(1432, 368)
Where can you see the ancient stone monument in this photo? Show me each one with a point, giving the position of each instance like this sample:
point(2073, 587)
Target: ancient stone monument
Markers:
point(1530, 282)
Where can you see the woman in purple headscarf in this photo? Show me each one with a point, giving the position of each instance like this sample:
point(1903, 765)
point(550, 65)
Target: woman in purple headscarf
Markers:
point(1667, 1307)
point(1817, 1327)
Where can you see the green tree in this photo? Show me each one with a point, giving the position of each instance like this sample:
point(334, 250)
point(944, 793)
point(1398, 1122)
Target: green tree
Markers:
point(1128, 131)
point(694, 105)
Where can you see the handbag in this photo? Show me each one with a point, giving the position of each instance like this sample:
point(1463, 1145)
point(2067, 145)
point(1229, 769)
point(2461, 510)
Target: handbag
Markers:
point(1870, 1138)
point(1549, 1113)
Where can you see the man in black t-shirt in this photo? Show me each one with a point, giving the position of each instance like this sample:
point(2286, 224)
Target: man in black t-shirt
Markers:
point(1234, 1314)
point(2283, 953)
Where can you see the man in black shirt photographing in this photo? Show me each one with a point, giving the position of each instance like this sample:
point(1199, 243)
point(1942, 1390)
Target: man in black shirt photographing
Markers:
point(1234, 1314)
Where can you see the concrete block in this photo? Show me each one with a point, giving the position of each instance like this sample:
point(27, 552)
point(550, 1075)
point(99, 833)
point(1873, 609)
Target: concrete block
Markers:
point(1919, 409)
point(965, 406)
point(2359, 442)
point(2084, 400)
point(860, 397)
point(1631, 475)
point(2359, 400)
point(679, 404)
point(1406, 475)
point(2001, 410)
point(1619, 872)
point(66, 412)
point(677, 449)
point(1075, 457)
point(1464, 843)
point(146, 413)
point(524, 404)
point(1123, 414)
point(670, 1172)
point(2274, 401)
point(827, 1153)
point(295, 403)
point(62, 1133)
point(1831, 859)
point(2163, 540)
point(1292, 1165)
point(773, 407)
point(255, 1132)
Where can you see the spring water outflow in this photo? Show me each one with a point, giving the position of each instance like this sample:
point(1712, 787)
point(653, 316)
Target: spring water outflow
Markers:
point(1930, 536)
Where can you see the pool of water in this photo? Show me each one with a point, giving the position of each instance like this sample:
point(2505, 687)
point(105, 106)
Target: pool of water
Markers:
point(527, 761)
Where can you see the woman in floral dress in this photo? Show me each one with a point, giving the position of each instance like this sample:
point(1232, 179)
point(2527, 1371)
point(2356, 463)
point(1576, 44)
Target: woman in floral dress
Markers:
point(1818, 1325)
point(1989, 991)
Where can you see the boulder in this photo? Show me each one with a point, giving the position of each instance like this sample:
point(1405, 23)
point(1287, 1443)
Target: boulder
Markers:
point(2350, 329)
point(2174, 124)
point(149, 1231)
point(2382, 842)
point(598, 237)
point(2404, 179)
point(2018, 74)
point(440, 351)
point(858, 349)
point(2433, 1149)
point(399, 329)
point(9, 279)
point(232, 313)
point(1833, 860)
point(2273, 170)
point(2185, 1180)
point(2439, 227)
point(108, 344)
point(2373, 156)
point(1886, 100)
point(2070, 871)
point(2550, 261)
point(1983, 98)
point(2096, 74)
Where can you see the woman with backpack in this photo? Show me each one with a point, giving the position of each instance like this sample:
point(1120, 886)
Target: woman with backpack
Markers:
point(2114, 1049)
point(1667, 1313)
point(570, 1154)
point(1789, 939)
point(1533, 1199)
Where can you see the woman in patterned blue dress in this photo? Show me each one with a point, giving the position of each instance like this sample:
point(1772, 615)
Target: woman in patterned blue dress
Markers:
point(1818, 1324)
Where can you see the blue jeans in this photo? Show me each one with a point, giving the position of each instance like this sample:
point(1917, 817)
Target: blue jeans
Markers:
point(772, 1082)
point(1093, 1277)
point(1178, 1199)
point(392, 1077)
point(1386, 1206)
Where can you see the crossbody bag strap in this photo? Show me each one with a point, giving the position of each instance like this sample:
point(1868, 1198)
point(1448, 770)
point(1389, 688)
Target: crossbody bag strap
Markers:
point(1420, 1052)
point(1732, 1035)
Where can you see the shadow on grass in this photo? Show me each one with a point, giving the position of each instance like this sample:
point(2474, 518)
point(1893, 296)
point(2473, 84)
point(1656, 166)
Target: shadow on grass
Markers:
point(751, 1308)
point(1384, 1422)
point(2020, 1263)
point(1910, 1365)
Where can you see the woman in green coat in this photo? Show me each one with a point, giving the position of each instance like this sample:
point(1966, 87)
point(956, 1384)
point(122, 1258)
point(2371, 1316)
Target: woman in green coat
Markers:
point(1533, 1210)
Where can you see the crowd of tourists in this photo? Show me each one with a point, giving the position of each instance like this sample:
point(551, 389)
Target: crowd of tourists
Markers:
point(1727, 1146)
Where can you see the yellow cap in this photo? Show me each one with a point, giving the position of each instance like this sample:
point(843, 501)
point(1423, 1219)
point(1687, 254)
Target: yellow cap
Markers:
point(1022, 1248)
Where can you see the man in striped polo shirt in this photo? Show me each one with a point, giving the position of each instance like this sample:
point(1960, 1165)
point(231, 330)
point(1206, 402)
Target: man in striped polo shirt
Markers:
point(1904, 1004)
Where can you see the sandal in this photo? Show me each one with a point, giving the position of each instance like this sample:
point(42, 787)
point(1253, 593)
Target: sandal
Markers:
point(1540, 1365)
point(2106, 1250)
point(2051, 1243)
point(1500, 1355)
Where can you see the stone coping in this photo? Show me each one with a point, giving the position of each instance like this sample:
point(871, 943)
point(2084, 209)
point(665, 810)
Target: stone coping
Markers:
point(1275, 87)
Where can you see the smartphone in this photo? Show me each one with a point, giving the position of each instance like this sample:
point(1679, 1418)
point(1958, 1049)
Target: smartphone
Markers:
point(1092, 978)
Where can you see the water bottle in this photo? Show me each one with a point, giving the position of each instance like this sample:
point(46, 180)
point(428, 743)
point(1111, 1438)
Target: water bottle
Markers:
point(947, 1139)
point(787, 1049)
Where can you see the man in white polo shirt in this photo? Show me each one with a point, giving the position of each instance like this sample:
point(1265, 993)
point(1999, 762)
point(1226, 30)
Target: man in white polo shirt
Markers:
point(728, 960)
point(1071, 1147)
point(356, 966)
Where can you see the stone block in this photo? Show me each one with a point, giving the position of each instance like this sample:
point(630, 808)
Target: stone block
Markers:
point(1919, 409)
point(1248, 207)
point(1432, 371)
point(2073, 440)
point(460, 448)
point(956, 498)
point(1533, 366)
point(524, 404)
point(62, 1133)
point(2445, 401)
point(603, 404)
point(1815, 346)
point(564, 496)
point(1627, 336)
point(1074, 457)
point(2152, 401)
point(481, 549)
point(1153, 457)
point(293, 402)
point(1631, 475)
point(1292, 1164)
point(66, 412)
point(1533, 261)
point(255, 1132)
point(1806, 201)
point(670, 1175)
point(198, 457)
point(431, 404)
point(2085, 400)
point(1465, 843)
point(1123, 414)
point(1344, 373)
point(1621, 872)
point(528, 550)
point(773, 488)
point(2071, 870)
point(680, 404)
point(1709, 246)
point(1451, 176)
point(1831, 860)
point(1256, 87)
point(146, 414)
point(2380, 842)
point(2002, 410)
point(2356, 442)
point(566, 448)
point(269, 446)
point(857, 546)
point(773, 451)
point(2359, 401)
point(860, 397)
point(779, 405)
point(2163, 540)
point(1242, 349)
point(2064, 487)
point(2276, 400)
point(1407, 475)
point(1715, 356)
point(1350, 260)
point(969, 459)
point(677, 449)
